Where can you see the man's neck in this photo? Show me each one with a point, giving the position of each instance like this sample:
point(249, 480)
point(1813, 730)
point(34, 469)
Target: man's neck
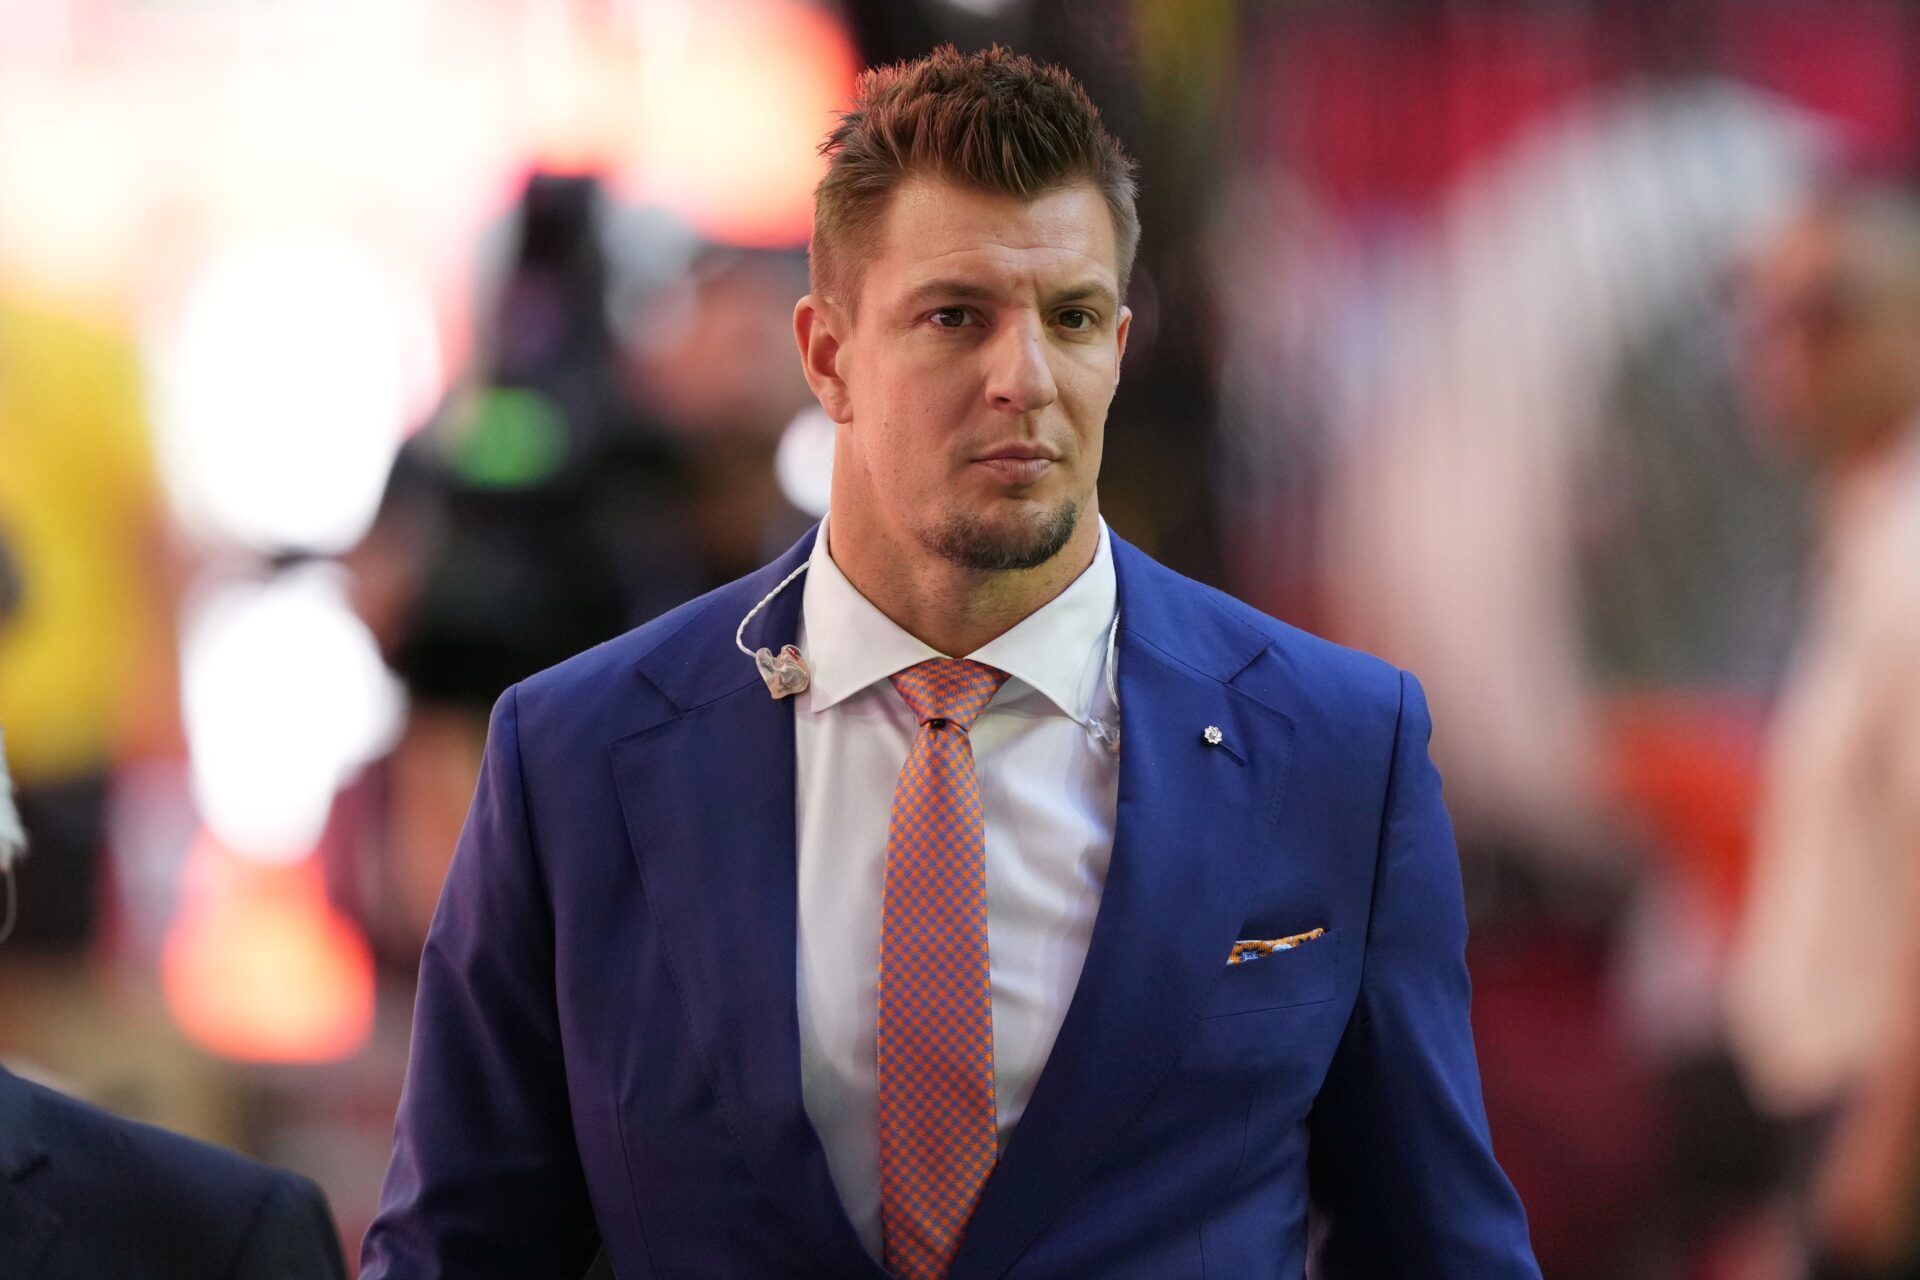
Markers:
point(944, 605)
point(1850, 472)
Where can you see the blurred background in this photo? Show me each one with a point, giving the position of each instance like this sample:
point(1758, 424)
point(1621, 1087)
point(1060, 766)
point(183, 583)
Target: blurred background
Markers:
point(358, 359)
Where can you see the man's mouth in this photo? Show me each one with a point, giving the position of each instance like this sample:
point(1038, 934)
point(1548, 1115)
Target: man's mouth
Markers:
point(1022, 464)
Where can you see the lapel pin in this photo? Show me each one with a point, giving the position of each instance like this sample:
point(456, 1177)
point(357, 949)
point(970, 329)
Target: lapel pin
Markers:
point(1212, 735)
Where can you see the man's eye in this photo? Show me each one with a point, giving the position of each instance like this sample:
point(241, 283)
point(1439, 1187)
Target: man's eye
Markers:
point(1077, 318)
point(950, 318)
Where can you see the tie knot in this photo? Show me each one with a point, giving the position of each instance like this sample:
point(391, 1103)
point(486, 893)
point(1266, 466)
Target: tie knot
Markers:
point(952, 689)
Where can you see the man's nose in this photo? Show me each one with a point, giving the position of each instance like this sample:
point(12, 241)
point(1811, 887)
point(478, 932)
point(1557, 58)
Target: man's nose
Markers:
point(1019, 378)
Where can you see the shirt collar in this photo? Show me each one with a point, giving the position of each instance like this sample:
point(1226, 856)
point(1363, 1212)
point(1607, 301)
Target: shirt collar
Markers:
point(1059, 649)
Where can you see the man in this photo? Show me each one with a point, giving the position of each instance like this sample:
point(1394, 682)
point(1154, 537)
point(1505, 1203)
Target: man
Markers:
point(1824, 982)
point(710, 980)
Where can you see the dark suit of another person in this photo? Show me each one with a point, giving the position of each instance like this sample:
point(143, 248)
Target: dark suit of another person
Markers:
point(87, 1195)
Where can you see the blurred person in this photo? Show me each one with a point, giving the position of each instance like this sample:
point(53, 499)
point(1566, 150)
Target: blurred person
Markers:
point(590, 474)
point(88, 642)
point(1542, 494)
point(84, 1192)
point(1824, 983)
point(710, 979)
point(611, 457)
point(537, 514)
point(709, 358)
point(540, 505)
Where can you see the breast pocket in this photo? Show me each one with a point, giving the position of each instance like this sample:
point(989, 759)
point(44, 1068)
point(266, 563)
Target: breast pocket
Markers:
point(1305, 974)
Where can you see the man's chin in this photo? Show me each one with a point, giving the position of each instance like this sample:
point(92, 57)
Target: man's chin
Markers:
point(1004, 542)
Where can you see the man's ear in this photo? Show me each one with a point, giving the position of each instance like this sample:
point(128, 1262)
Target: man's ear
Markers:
point(1120, 334)
point(819, 326)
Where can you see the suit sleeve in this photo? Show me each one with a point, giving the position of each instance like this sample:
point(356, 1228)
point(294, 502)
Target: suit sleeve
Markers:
point(485, 1179)
point(292, 1236)
point(1402, 1173)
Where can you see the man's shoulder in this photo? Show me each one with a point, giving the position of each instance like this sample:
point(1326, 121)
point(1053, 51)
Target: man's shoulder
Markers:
point(587, 673)
point(694, 630)
point(79, 1131)
point(1255, 651)
point(680, 657)
point(136, 1182)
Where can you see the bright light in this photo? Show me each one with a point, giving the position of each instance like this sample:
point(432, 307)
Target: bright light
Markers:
point(259, 968)
point(77, 179)
point(733, 97)
point(284, 696)
point(803, 462)
point(283, 388)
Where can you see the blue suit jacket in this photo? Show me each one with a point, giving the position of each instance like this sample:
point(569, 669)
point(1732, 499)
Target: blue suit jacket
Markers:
point(606, 1044)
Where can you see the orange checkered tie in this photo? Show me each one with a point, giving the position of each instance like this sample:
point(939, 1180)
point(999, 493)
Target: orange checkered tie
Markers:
point(938, 1131)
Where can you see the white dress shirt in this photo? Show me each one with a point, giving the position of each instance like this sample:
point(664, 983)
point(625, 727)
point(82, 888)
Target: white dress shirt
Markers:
point(1048, 788)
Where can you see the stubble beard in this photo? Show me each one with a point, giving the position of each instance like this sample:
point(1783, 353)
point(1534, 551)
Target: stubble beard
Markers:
point(989, 547)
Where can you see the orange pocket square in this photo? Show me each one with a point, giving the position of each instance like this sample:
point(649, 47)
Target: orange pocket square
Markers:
point(1255, 948)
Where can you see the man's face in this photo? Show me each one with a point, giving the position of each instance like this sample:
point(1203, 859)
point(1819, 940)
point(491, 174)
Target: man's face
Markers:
point(1830, 363)
point(977, 371)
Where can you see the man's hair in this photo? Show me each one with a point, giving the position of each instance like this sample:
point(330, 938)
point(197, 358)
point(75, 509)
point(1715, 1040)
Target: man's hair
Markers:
point(993, 121)
point(1879, 226)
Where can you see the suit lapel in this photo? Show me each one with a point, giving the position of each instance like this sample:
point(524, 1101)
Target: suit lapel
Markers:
point(708, 795)
point(1190, 817)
